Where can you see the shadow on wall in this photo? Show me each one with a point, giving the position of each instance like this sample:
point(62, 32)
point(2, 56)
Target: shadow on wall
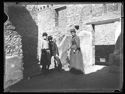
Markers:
point(5, 17)
point(26, 27)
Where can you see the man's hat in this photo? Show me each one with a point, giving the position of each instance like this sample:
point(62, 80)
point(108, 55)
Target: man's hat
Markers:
point(50, 37)
point(45, 34)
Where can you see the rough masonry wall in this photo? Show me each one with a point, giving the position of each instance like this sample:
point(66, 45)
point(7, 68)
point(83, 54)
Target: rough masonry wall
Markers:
point(95, 12)
point(13, 55)
point(12, 40)
point(13, 66)
point(62, 21)
point(76, 14)
point(105, 34)
point(46, 20)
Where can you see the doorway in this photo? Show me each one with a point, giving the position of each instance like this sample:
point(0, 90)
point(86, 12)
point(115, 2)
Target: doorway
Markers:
point(104, 39)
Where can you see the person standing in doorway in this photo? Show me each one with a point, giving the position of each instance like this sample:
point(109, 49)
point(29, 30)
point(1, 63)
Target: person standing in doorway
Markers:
point(54, 52)
point(45, 53)
point(76, 60)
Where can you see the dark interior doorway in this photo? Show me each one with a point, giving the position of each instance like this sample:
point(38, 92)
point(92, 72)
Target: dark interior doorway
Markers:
point(103, 52)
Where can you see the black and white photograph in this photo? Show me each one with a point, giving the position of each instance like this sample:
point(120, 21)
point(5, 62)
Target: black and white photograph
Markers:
point(63, 47)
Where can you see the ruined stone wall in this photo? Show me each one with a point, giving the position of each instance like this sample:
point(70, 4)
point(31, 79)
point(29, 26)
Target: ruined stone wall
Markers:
point(13, 55)
point(62, 21)
point(82, 14)
point(75, 14)
point(13, 65)
point(105, 34)
point(96, 12)
point(12, 40)
point(25, 27)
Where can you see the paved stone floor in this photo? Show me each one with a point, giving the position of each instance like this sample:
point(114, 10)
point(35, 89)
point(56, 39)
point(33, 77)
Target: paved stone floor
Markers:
point(100, 80)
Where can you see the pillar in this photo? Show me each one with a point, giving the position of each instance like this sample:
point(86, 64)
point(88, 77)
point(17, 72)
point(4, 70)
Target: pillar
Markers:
point(27, 28)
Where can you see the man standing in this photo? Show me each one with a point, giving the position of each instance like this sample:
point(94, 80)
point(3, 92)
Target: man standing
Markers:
point(45, 54)
point(54, 52)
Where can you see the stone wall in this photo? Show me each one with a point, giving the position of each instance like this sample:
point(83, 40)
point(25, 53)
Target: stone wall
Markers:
point(13, 70)
point(25, 27)
point(62, 21)
point(105, 34)
point(80, 14)
point(28, 29)
point(43, 19)
point(76, 14)
point(13, 65)
point(12, 40)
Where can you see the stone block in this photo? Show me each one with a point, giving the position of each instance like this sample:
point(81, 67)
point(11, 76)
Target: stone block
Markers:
point(13, 70)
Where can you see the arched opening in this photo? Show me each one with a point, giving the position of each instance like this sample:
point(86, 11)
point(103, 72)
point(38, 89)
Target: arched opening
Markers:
point(25, 26)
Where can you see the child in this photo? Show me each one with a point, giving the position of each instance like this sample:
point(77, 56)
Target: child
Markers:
point(54, 52)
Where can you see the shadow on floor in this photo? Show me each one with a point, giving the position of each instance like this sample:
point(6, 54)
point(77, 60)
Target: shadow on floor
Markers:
point(67, 81)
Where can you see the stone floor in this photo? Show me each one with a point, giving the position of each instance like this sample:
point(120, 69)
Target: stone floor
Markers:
point(64, 81)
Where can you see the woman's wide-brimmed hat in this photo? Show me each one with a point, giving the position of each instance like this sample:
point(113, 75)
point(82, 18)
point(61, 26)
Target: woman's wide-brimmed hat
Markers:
point(50, 37)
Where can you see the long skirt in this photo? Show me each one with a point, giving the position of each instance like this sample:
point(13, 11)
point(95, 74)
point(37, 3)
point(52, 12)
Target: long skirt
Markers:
point(45, 58)
point(76, 60)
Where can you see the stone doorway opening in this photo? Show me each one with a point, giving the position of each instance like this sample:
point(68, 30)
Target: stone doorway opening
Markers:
point(106, 44)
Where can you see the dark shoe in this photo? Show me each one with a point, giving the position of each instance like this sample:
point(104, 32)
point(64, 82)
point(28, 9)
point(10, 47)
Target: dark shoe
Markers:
point(43, 71)
point(72, 70)
point(59, 69)
point(78, 72)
